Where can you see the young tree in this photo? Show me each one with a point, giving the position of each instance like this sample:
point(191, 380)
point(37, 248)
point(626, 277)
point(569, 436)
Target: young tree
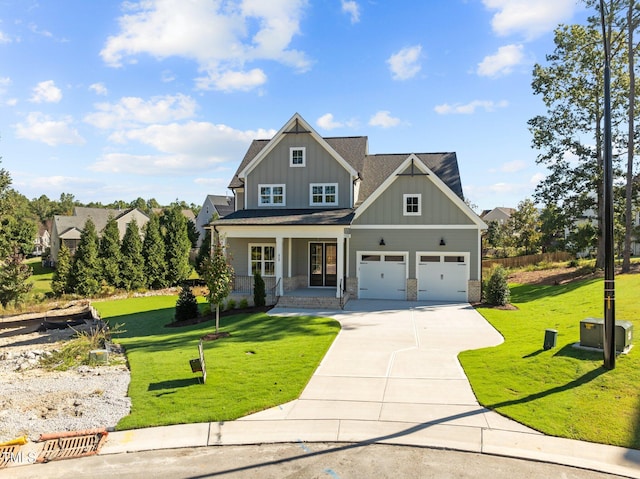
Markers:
point(85, 272)
point(62, 274)
point(218, 274)
point(177, 245)
point(526, 226)
point(109, 253)
point(14, 280)
point(187, 305)
point(132, 266)
point(153, 251)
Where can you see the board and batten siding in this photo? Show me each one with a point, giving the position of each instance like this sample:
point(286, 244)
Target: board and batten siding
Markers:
point(413, 241)
point(436, 207)
point(320, 167)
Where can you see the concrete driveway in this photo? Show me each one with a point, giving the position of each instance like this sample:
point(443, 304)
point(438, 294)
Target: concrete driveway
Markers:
point(396, 362)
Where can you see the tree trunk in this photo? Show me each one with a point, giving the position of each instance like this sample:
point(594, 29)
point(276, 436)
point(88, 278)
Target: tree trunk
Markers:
point(626, 261)
point(217, 317)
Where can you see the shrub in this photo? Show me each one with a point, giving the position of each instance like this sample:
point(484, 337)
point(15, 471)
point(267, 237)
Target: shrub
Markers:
point(259, 292)
point(497, 291)
point(244, 304)
point(187, 305)
point(231, 304)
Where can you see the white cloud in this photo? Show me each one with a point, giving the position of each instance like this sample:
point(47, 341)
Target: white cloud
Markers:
point(531, 18)
point(40, 127)
point(4, 38)
point(513, 166)
point(405, 64)
point(327, 122)
point(384, 120)
point(537, 178)
point(232, 80)
point(133, 111)
point(98, 89)
point(351, 8)
point(47, 92)
point(469, 108)
point(502, 62)
point(219, 36)
point(61, 182)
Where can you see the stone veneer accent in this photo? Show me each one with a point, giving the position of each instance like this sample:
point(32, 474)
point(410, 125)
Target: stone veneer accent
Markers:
point(352, 287)
point(475, 291)
point(412, 289)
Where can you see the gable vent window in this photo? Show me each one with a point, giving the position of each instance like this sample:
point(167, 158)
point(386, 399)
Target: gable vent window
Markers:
point(323, 194)
point(412, 205)
point(271, 195)
point(297, 156)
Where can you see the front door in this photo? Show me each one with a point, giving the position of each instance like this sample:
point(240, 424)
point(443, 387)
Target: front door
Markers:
point(323, 262)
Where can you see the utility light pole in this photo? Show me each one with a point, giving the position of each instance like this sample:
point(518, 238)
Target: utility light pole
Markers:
point(609, 344)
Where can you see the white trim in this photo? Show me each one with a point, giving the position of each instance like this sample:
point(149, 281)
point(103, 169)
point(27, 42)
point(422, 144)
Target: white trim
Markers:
point(478, 223)
point(262, 245)
point(294, 231)
point(415, 227)
point(304, 156)
point(323, 194)
point(405, 197)
point(277, 138)
point(441, 254)
point(271, 194)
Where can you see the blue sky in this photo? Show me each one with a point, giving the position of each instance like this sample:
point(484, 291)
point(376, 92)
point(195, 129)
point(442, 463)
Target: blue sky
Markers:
point(159, 99)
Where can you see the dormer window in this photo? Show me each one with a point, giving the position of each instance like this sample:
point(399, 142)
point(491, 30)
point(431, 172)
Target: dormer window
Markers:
point(297, 157)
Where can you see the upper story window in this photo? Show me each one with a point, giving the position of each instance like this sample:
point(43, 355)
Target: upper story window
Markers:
point(297, 156)
point(271, 195)
point(323, 194)
point(412, 205)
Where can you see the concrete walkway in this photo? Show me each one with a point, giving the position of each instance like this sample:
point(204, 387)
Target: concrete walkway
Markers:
point(392, 376)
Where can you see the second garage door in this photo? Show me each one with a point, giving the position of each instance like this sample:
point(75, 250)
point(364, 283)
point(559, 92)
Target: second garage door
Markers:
point(442, 277)
point(382, 276)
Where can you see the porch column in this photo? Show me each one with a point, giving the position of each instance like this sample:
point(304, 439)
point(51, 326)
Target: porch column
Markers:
point(340, 265)
point(279, 266)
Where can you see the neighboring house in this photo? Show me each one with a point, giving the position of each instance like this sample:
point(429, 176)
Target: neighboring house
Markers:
point(213, 205)
point(314, 212)
point(68, 229)
point(499, 214)
point(42, 240)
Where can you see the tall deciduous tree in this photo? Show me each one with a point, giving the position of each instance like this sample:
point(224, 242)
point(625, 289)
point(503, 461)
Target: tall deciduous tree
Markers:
point(526, 226)
point(109, 253)
point(132, 266)
point(85, 272)
point(570, 135)
point(14, 280)
point(177, 245)
point(218, 274)
point(153, 251)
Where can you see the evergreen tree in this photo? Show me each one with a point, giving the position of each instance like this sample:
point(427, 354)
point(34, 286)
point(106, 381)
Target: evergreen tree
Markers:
point(14, 280)
point(85, 272)
point(204, 251)
point(187, 305)
point(153, 251)
point(61, 276)
point(109, 253)
point(177, 245)
point(132, 266)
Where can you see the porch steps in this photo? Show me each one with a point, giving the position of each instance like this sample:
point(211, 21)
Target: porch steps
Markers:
point(311, 302)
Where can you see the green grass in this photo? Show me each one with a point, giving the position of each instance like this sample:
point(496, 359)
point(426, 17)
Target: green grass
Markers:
point(41, 277)
point(563, 391)
point(265, 362)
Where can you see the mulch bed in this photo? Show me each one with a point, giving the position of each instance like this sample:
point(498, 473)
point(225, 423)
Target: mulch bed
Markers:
point(212, 316)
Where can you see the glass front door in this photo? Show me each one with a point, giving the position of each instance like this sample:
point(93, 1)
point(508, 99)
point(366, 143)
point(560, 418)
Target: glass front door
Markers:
point(323, 262)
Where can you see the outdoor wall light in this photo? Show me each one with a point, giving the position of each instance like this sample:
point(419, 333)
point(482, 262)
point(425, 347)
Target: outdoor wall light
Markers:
point(442, 243)
point(382, 243)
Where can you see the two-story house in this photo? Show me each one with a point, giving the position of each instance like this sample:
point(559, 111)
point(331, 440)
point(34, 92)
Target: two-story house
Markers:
point(318, 215)
point(213, 207)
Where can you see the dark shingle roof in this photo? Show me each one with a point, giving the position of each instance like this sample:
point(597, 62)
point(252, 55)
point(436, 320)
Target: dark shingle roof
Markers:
point(288, 217)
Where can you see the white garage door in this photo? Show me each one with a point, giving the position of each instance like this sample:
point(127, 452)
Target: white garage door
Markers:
point(382, 275)
point(443, 277)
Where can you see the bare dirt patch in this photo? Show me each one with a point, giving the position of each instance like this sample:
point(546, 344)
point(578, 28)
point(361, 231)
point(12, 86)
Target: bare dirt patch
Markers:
point(556, 276)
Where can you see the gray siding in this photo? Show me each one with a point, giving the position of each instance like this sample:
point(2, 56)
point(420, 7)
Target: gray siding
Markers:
point(412, 241)
point(320, 168)
point(437, 208)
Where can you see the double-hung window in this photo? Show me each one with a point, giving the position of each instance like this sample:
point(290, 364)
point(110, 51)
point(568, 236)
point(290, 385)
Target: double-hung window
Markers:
point(412, 204)
point(262, 259)
point(271, 195)
point(297, 156)
point(323, 194)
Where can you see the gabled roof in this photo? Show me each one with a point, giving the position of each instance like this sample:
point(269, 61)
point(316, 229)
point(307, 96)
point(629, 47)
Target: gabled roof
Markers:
point(224, 205)
point(81, 214)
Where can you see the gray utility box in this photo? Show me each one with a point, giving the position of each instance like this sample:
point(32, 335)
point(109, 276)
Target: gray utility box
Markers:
point(592, 334)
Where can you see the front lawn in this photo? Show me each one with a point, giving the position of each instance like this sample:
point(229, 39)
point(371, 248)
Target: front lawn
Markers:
point(563, 391)
point(266, 361)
